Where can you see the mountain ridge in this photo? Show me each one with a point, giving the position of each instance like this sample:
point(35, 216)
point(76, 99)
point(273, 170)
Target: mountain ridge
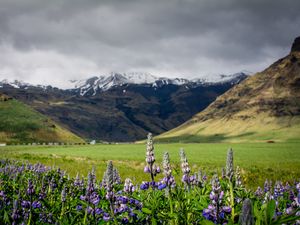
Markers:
point(262, 107)
point(95, 84)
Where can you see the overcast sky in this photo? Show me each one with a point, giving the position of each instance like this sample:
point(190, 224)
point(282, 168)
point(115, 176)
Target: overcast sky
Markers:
point(52, 41)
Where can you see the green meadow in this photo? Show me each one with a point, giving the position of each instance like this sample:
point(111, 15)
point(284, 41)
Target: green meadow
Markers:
point(258, 161)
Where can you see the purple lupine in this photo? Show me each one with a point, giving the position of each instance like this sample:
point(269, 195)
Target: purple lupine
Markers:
point(144, 185)
point(259, 192)
point(268, 191)
point(278, 190)
point(246, 216)
point(106, 217)
point(267, 186)
point(30, 189)
point(116, 176)
point(78, 182)
point(150, 159)
point(63, 195)
point(201, 178)
point(223, 173)
point(15, 213)
point(216, 211)
point(128, 186)
point(238, 178)
point(229, 165)
point(36, 205)
point(185, 168)
point(168, 181)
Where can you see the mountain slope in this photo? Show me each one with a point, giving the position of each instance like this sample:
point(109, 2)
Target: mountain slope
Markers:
point(21, 124)
point(263, 107)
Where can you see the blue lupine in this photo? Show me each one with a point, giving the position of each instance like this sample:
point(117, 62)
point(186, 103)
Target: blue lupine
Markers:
point(216, 211)
point(185, 168)
point(150, 159)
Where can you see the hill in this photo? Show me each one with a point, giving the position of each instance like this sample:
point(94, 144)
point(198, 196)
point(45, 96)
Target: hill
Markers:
point(264, 107)
point(21, 124)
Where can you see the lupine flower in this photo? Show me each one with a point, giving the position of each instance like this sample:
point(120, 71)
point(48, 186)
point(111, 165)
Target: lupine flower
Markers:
point(229, 165)
point(168, 180)
point(125, 220)
point(77, 181)
point(184, 168)
point(150, 159)
point(144, 185)
point(15, 213)
point(259, 192)
point(116, 176)
point(106, 217)
point(30, 189)
point(128, 186)
point(201, 179)
point(36, 205)
point(267, 186)
point(246, 217)
point(63, 195)
point(223, 173)
point(238, 179)
point(278, 190)
point(216, 211)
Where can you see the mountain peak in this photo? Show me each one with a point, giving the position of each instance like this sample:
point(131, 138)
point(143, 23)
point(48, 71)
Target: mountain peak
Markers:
point(296, 45)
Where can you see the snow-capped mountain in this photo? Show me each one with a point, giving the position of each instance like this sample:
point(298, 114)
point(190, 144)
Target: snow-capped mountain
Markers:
point(96, 84)
point(14, 83)
point(103, 83)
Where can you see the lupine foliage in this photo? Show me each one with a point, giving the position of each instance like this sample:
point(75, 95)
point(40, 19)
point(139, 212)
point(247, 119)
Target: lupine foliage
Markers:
point(35, 194)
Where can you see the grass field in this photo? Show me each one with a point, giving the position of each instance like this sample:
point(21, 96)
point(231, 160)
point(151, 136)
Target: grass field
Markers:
point(258, 161)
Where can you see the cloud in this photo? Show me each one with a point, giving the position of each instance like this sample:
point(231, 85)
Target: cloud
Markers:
point(54, 41)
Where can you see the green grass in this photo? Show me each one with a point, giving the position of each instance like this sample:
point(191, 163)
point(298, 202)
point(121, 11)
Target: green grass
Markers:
point(20, 123)
point(258, 161)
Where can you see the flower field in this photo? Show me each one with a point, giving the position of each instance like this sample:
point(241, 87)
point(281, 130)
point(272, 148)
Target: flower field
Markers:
point(37, 194)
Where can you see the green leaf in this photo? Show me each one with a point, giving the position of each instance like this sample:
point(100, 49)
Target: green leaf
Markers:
point(270, 211)
point(207, 222)
point(147, 211)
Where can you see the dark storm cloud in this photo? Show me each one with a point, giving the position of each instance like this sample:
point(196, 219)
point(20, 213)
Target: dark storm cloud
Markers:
point(73, 39)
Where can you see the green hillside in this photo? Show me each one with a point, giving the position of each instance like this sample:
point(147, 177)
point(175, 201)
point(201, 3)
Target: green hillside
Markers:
point(21, 124)
point(264, 107)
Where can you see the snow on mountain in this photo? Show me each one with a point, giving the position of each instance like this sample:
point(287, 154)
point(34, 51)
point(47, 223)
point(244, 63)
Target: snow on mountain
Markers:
point(102, 83)
point(221, 78)
point(14, 83)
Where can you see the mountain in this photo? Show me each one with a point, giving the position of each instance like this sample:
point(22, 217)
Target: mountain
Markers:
point(96, 84)
point(264, 107)
point(20, 123)
point(122, 107)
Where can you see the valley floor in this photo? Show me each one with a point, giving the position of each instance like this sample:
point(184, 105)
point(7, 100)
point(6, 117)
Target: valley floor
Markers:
point(258, 161)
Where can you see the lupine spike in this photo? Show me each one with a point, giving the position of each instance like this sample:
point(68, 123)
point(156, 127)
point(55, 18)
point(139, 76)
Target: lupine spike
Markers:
point(229, 165)
point(109, 175)
point(246, 216)
point(150, 159)
point(238, 178)
point(168, 181)
point(184, 167)
point(116, 176)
